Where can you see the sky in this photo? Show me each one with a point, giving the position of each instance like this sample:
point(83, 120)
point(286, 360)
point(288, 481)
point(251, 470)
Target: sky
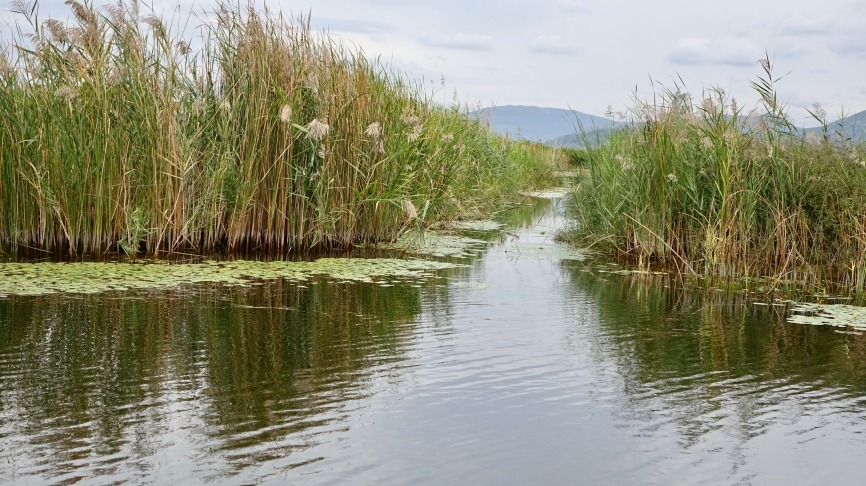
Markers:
point(592, 55)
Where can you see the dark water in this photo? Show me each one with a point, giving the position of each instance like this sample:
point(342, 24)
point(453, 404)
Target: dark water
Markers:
point(520, 369)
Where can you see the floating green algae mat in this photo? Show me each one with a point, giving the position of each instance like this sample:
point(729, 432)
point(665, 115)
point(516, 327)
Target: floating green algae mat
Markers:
point(838, 315)
point(482, 225)
point(91, 277)
point(437, 244)
point(555, 251)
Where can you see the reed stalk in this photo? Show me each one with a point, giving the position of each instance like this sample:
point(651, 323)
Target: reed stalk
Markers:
point(117, 135)
point(718, 193)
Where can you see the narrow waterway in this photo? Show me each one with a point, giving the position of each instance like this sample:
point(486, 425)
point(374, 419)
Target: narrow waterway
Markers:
point(520, 368)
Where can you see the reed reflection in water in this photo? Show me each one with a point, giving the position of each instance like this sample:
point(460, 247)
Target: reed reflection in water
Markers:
point(727, 384)
point(521, 368)
point(201, 383)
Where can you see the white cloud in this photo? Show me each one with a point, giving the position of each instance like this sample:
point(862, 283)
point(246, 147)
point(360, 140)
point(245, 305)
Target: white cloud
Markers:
point(554, 44)
point(823, 49)
point(573, 6)
point(799, 25)
point(354, 26)
point(699, 50)
point(460, 40)
point(850, 45)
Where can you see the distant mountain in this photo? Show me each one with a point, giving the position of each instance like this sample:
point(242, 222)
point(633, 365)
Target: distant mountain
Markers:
point(569, 128)
point(852, 127)
point(539, 124)
point(580, 140)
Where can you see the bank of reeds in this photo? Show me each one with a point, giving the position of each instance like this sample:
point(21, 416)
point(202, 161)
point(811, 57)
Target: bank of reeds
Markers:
point(255, 134)
point(716, 193)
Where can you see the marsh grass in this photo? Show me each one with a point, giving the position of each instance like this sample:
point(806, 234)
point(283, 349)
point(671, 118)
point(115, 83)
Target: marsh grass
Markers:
point(720, 194)
point(117, 135)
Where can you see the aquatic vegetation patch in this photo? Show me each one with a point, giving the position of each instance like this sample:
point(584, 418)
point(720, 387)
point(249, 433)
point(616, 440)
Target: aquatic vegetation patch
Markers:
point(437, 244)
point(837, 315)
point(557, 251)
point(94, 277)
point(482, 225)
point(626, 271)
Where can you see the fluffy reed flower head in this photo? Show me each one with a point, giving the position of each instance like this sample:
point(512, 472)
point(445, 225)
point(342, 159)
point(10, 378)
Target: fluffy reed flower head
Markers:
point(709, 105)
point(286, 113)
point(374, 130)
point(313, 83)
point(57, 30)
point(416, 133)
point(317, 130)
point(624, 162)
point(5, 68)
point(199, 106)
point(66, 92)
point(183, 48)
point(411, 119)
point(409, 210)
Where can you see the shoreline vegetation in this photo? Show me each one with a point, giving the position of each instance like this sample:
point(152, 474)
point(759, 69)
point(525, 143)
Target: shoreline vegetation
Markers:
point(726, 196)
point(118, 135)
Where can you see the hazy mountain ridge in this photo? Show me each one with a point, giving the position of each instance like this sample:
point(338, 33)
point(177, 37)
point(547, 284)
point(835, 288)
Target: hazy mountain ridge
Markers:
point(563, 128)
point(539, 124)
point(852, 127)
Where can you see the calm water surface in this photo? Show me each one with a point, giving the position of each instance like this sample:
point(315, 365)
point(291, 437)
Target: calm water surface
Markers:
point(519, 369)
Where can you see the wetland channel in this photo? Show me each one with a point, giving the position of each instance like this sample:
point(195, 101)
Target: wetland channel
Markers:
point(522, 366)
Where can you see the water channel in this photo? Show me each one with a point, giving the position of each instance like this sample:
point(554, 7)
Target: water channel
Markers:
point(519, 368)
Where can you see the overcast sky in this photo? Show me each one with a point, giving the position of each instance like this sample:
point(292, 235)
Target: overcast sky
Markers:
point(587, 55)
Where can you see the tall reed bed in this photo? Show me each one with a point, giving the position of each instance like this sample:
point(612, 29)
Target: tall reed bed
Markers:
point(716, 193)
point(256, 134)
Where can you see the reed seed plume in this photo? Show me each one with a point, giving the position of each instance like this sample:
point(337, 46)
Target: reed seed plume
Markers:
point(409, 210)
point(317, 130)
point(373, 130)
point(286, 113)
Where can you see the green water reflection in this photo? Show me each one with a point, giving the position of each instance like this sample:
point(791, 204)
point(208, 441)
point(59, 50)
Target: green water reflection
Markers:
point(472, 374)
point(98, 379)
point(659, 329)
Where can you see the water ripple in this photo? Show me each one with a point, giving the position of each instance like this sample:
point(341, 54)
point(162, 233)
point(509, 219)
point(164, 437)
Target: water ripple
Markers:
point(546, 375)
